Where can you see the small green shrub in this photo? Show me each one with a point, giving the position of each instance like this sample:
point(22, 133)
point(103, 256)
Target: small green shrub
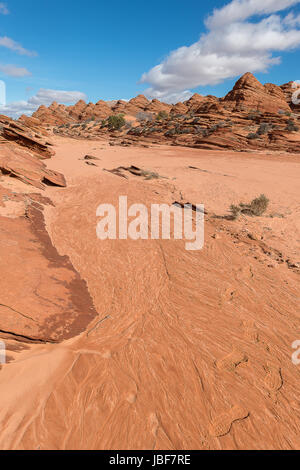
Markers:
point(116, 122)
point(291, 126)
point(253, 115)
point(162, 115)
point(170, 132)
point(256, 208)
point(263, 128)
point(252, 135)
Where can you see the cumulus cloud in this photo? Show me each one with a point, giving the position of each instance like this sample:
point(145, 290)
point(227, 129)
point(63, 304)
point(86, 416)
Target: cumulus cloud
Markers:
point(15, 46)
point(47, 97)
point(167, 96)
point(14, 71)
point(240, 10)
point(236, 41)
point(3, 9)
point(43, 97)
point(292, 20)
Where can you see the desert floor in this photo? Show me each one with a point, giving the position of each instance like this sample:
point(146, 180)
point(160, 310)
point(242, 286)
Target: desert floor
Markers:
point(189, 349)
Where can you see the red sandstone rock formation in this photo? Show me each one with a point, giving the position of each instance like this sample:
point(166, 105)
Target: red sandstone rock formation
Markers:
point(16, 133)
point(140, 102)
point(160, 327)
point(40, 290)
point(153, 326)
point(249, 93)
point(198, 121)
point(180, 108)
point(23, 146)
point(155, 106)
point(194, 102)
point(20, 164)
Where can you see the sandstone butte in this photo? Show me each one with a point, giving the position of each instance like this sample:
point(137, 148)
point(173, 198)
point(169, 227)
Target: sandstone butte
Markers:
point(124, 344)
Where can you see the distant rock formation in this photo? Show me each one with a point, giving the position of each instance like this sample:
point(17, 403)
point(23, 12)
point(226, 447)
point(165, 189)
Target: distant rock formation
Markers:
point(252, 116)
point(248, 94)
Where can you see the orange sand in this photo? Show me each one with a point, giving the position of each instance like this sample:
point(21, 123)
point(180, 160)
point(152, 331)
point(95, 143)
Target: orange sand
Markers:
point(190, 350)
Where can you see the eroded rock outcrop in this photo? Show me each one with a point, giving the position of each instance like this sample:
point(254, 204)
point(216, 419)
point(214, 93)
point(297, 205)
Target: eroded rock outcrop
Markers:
point(194, 102)
point(23, 146)
point(249, 94)
point(16, 132)
point(251, 116)
point(43, 298)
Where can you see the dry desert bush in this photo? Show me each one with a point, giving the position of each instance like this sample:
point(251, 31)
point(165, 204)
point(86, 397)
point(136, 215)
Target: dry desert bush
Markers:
point(255, 208)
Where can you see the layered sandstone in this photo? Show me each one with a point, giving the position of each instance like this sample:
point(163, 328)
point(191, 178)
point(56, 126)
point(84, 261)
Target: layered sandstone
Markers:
point(249, 93)
point(107, 341)
point(21, 164)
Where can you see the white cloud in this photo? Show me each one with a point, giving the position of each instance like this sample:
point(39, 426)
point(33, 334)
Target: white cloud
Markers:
point(3, 9)
point(232, 46)
point(14, 71)
point(292, 20)
point(15, 46)
point(169, 97)
point(43, 97)
point(47, 97)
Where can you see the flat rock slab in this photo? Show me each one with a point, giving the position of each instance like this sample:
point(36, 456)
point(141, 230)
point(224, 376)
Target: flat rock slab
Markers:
point(43, 298)
point(22, 136)
point(21, 164)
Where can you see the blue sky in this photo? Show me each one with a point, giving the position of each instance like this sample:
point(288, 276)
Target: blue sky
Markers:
point(102, 49)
